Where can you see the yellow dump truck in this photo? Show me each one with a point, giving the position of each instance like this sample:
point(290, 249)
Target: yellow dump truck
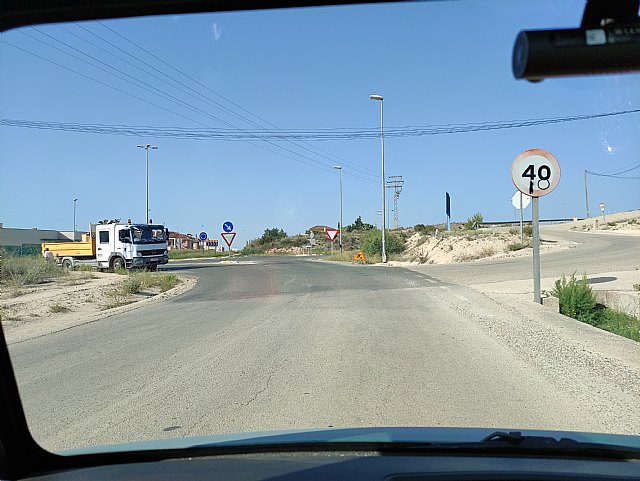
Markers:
point(114, 245)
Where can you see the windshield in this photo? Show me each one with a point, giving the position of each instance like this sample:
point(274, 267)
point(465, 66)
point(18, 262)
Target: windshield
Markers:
point(147, 234)
point(349, 194)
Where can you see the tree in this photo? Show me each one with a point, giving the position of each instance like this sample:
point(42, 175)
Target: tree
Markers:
point(272, 235)
point(358, 225)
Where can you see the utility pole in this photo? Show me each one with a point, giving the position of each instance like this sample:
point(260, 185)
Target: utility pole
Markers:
point(586, 192)
point(146, 148)
point(381, 99)
point(339, 167)
point(395, 182)
point(74, 219)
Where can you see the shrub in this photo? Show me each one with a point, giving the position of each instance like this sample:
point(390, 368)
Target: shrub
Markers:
point(24, 270)
point(576, 299)
point(131, 285)
point(513, 231)
point(527, 230)
point(516, 246)
point(424, 229)
point(471, 221)
point(56, 308)
point(371, 243)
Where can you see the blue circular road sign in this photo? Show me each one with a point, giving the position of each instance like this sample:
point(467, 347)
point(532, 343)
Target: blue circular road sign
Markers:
point(202, 236)
point(227, 227)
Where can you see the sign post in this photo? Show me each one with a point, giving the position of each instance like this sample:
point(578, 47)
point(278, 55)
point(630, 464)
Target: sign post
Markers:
point(520, 202)
point(228, 238)
point(203, 237)
point(535, 172)
point(604, 219)
point(331, 234)
point(228, 235)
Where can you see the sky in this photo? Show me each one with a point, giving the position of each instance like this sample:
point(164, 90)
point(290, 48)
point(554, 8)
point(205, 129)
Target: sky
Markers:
point(435, 63)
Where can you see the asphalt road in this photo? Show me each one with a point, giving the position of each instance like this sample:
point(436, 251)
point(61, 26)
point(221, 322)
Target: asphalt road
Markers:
point(592, 254)
point(282, 343)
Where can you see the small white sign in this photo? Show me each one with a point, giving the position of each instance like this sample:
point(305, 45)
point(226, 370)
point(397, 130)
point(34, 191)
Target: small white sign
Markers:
point(515, 200)
point(602, 206)
point(535, 172)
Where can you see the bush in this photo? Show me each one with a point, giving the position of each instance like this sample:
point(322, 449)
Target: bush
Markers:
point(513, 231)
point(471, 221)
point(57, 308)
point(527, 230)
point(131, 285)
point(371, 243)
point(516, 246)
point(576, 299)
point(24, 270)
point(424, 229)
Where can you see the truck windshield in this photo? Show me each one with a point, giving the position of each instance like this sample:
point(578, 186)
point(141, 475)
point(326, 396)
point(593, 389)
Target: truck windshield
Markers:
point(147, 234)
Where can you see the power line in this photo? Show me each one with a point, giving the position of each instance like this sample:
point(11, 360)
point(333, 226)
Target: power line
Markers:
point(613, 176)
point(353, 165)
point(211, 134)
point(165, 95)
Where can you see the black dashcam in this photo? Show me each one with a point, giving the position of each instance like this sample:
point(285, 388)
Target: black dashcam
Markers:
point(607, 42)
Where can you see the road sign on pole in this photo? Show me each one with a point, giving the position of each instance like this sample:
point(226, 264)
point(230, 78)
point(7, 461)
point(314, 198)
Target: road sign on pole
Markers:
point(519, 196)
point(535, 172)
point(520, 201)
point(604, 219)
point(202, 236)
point(227, 226)
point(228, 238)
point(332, 234)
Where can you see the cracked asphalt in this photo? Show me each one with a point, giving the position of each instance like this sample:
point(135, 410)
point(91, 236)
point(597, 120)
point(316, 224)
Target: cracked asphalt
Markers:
point(294, 343)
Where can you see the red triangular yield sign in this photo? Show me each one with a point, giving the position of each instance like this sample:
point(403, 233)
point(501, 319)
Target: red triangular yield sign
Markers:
point(332, 233)
point(228, 237)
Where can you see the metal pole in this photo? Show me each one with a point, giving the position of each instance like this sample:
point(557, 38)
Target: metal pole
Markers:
point(586, 193)
point(521, 223)
point(535, 217)
point(147, 211)
point(340, 231)
point(74, 219)
point(384, 252)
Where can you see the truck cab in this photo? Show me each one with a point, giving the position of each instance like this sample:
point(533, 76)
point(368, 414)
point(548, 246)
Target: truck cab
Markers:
point(131, 246)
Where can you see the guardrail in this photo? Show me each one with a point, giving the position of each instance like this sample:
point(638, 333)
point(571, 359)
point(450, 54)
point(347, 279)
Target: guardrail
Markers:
point(480, 225)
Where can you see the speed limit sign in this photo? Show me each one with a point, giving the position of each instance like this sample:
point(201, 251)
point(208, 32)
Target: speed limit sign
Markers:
point(535, 172)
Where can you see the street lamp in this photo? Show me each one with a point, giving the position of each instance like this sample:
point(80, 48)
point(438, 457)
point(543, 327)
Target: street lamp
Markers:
point(380, 98)
point(74, 219)
point(339, 167)
point(146, 148)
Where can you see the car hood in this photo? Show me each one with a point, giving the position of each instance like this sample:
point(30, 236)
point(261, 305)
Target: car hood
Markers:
point(349, 435)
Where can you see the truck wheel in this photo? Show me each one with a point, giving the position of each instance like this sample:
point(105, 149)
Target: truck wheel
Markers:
point(67, 265)
point(117, 263)
point(153, 268)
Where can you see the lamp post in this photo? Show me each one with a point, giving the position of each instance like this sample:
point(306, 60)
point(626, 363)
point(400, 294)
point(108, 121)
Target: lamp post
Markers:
point(74, 219)
point(380, 98)
point(146, 148)
point(339, 167)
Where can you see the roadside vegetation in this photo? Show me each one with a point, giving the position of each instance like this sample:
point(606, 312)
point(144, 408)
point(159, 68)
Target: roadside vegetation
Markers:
point(176, 254)
point(136, 282)
point(578, 301)
point(16, 270)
